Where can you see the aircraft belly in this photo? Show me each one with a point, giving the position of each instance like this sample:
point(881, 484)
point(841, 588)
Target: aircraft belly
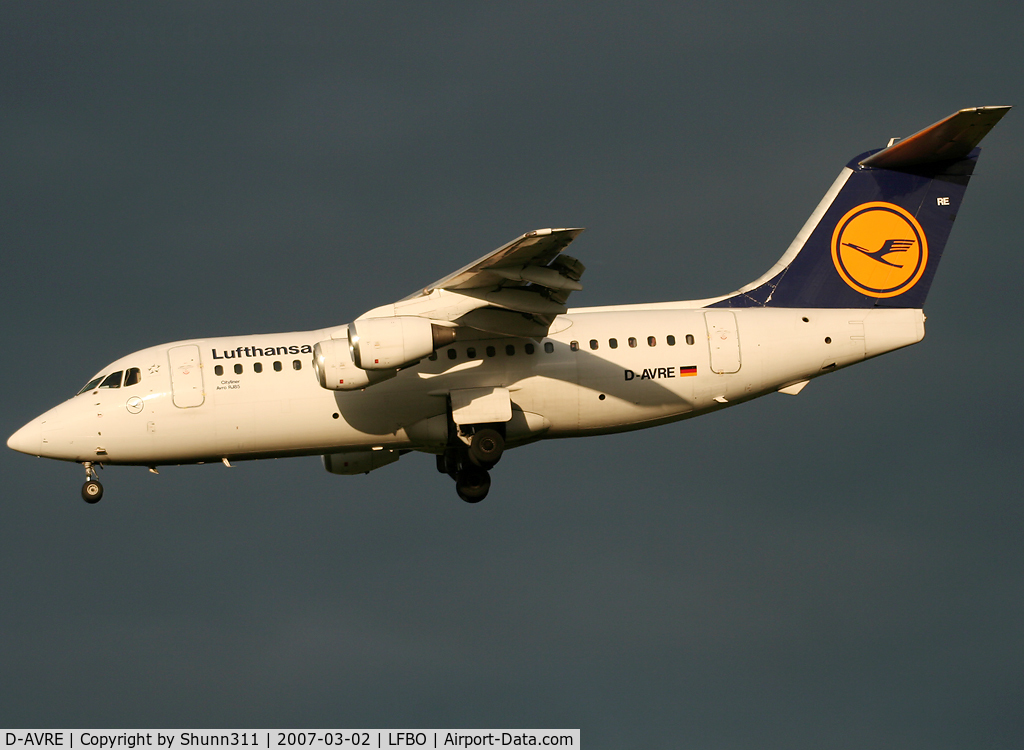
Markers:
point(614, 402)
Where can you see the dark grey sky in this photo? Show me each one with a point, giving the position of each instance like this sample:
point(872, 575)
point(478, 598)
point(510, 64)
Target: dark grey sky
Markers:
point(841, 569)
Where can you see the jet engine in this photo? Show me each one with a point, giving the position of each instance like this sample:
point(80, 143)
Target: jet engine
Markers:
point(390, 343)
point(332, 362)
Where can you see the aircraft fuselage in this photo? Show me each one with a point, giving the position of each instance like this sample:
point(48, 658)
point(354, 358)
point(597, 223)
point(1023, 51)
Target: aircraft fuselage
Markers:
point(257, 396)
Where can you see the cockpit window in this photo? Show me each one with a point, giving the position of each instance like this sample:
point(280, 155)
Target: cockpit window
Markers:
point(90, 385)
point(132, 376)
point(113, 380)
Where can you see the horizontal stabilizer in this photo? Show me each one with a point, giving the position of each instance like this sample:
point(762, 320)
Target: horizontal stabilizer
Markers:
point(947, 140)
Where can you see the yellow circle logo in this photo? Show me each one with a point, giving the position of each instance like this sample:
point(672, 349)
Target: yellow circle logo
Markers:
point(879, 249)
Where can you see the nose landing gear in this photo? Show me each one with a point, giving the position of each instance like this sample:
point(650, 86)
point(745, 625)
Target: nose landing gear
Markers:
point(92, 490)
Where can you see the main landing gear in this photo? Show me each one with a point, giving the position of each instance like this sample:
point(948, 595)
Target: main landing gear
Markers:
point(92, 490)
point(469, 465)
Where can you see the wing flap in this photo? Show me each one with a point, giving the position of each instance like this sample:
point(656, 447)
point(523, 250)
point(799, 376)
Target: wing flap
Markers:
point(505, 322)
point(519, 300)
point(533, 250)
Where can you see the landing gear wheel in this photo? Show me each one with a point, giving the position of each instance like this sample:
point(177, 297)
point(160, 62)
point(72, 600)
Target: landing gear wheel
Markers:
point(486, 448)
point(92, 491)
point(473, 484)
point(451, 463)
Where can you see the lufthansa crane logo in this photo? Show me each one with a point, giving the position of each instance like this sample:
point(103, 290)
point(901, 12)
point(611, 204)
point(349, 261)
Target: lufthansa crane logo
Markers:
point(879, 249)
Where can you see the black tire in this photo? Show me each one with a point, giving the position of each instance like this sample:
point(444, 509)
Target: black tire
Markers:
point(441, 469)
point(486, 447)
point(92, 491)
point(473, 484)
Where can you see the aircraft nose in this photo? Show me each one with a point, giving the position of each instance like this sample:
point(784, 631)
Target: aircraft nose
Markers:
point(29, 439)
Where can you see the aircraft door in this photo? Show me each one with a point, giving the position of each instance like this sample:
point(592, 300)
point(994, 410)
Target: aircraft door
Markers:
point(723, 341)
point(186, 376)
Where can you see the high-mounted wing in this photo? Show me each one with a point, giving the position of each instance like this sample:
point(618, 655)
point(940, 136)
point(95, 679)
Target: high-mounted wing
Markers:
point(532, 253)
point(516, 290)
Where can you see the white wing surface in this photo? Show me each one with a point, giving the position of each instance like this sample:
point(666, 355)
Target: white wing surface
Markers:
point(516, 290)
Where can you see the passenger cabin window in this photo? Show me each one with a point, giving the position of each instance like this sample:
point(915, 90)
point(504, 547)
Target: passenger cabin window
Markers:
point(528, 348)
point(257, 367)
point(471, 352)
point(593, 343)
point(689, 339)
point(90, 385)
point(549, 347)
point(632, 342)
point(238, 369)
point(277, 367)
point(218, 370)
point(452, 354)
point(510, 349)
point(670, 340)
point(574, 346)
point(113, 380)
point(296, 364)
point(491, 351)
point(651, 341)
point(132, 377)
point(613, 343)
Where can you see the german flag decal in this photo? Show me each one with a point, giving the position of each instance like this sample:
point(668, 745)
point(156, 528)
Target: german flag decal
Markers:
point(687, 371)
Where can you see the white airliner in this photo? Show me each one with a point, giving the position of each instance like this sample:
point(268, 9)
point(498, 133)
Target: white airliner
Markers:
point(490, 357)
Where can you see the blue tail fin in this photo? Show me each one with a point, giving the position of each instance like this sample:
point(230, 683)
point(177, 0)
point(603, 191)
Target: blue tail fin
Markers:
point(877, 236)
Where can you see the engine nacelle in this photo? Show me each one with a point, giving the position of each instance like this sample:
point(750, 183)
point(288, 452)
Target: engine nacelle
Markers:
point(359, 462)
point(390, 343)
point(332, 361)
